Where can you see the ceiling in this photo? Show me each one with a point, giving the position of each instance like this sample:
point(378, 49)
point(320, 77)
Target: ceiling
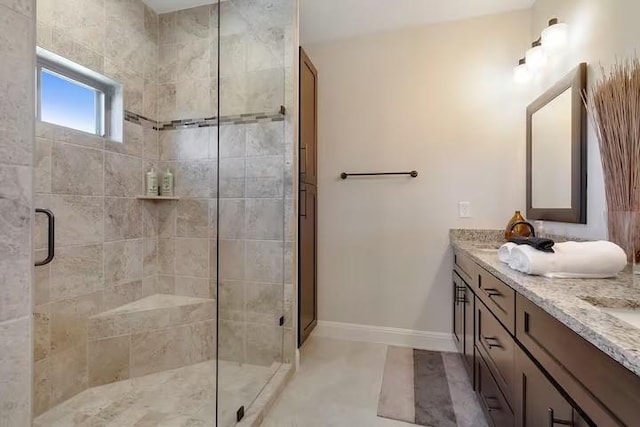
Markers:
point(164, 6)
point(322, 20)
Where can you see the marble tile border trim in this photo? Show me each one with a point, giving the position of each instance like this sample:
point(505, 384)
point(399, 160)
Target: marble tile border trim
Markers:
point(240, 119)
point(140, 120)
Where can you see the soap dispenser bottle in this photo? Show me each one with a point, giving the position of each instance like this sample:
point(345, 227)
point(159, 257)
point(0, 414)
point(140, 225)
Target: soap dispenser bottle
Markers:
point(518, 230)
point(152, 183)
point(167, 184)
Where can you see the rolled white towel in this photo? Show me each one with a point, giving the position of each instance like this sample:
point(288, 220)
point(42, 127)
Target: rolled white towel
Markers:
point(504, 253)
point(571, 260)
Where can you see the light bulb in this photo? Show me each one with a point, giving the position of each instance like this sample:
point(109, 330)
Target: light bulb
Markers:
point(535, 57)
point(555, 37)
point(521, 73)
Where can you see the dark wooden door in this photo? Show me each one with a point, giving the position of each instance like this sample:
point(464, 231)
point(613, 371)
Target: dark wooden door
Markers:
point(538, 401)
point(308, 120)
point(308, 265)
point(308, 206)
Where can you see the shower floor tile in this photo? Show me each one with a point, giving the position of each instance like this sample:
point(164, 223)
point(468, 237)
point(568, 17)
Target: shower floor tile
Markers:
point(183, 397)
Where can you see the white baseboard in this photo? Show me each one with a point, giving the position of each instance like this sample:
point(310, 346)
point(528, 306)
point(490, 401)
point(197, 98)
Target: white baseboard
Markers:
point(423, 340)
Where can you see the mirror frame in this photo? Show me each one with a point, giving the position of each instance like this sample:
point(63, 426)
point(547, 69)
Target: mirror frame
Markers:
point(576, 80)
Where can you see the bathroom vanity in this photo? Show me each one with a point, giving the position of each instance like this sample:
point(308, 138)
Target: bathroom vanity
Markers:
point(544, 352)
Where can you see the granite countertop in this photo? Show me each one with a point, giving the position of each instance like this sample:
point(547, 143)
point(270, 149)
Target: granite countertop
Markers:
point(564, 299)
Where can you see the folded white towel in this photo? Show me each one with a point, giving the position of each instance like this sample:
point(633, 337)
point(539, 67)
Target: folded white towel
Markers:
point(571, 260)
point(504, 253)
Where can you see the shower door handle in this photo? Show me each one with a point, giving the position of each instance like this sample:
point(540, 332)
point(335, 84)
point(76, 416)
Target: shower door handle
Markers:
point(51, 236)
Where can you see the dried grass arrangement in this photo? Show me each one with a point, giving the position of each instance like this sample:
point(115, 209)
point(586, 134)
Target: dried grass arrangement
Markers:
point(613, 104)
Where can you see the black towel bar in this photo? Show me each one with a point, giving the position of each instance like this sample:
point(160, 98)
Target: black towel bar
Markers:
point(412, 174)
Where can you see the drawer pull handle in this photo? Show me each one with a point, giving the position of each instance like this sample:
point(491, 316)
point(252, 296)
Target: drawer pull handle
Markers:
point(553, 421)
point(492, 342)
point(461, 295)
point(493, 292)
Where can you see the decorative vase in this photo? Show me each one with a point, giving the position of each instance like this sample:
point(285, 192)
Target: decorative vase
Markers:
point(518, 230)
point(624, 231)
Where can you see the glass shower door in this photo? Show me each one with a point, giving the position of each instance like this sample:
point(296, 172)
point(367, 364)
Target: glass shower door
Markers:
point(251, 204)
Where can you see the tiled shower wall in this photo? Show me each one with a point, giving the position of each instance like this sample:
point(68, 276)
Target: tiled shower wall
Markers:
point(106, 243)
point(251, 233)
point(252, 172)
point(187, 77)
point(17, 34)
point(274, 24)
point(187, 64)
point(112, 248)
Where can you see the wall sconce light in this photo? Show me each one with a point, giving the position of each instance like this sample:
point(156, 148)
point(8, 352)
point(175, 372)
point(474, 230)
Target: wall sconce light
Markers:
point(521, 73)
point(555, 37)
point(535, 57)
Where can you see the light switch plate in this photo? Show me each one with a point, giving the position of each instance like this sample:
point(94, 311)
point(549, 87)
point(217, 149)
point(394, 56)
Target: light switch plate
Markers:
point(464, 209)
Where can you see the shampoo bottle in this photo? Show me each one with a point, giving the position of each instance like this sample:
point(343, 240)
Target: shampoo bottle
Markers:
point(152, 183)
point(167, 184)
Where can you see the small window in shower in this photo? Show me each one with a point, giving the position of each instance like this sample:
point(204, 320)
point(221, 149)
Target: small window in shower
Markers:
point(75, 97)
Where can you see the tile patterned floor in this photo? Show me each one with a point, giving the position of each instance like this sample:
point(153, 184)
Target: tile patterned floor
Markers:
point(338, 384)
point(183, 397)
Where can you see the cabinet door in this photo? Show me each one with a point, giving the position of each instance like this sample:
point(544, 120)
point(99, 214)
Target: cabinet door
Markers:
point(469, 332)
point(538, 402)
point(458, 311)
point(308, 120)
point(492, 400)
point(308, 290)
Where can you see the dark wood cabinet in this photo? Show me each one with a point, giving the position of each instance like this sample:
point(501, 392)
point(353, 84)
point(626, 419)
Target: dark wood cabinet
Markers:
point(497, 348)
point(463, 320)
point(308, 270)
point(608, 394)
point(469, 332)
point(458, 311)
point(499, 298)
point(539, 402)
point(308, 202)
point(492, 401)
point(308, 120)
point(528, 368)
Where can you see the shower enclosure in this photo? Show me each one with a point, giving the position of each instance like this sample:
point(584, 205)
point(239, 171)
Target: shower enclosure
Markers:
point(168, 310)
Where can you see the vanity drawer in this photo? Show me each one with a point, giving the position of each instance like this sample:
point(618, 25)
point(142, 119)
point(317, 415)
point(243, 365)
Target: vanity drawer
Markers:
point(467, 269)
point(491, 399)
point(497, 348)
point(605, 390)
point(499, 298)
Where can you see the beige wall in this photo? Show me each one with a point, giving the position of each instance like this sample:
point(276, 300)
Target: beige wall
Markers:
point(106, 239)
point(439, 99)
point(600, 31)
point(17, 34)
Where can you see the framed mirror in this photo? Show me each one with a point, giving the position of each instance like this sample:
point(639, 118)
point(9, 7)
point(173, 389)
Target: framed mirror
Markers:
point(557, 152)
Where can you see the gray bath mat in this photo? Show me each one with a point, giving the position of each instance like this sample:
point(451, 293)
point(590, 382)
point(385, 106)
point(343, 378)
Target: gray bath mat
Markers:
point(428, 388)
